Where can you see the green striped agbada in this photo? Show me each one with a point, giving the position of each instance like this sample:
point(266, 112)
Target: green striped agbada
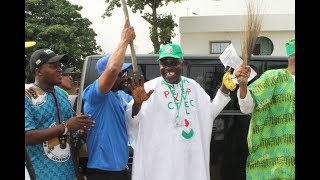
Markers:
point(271, 136)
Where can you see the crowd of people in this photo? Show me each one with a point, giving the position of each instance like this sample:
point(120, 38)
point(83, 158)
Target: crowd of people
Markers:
point(167, 120)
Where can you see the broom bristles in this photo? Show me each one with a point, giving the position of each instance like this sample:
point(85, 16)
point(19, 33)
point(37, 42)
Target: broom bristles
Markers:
point(251, 31)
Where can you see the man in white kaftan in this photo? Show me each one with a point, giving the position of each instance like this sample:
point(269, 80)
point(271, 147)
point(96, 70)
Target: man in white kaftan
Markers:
point(171, 127)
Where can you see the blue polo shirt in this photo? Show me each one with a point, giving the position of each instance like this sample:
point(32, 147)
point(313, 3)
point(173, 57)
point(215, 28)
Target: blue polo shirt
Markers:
point(107, 141)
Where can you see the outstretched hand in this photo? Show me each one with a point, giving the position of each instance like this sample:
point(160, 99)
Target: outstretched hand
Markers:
point(137, 90)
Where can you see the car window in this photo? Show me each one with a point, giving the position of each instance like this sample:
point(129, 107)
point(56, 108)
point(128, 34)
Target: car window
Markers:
point(208, 76)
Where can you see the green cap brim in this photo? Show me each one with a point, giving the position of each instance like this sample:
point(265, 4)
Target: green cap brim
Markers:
point(168, 55)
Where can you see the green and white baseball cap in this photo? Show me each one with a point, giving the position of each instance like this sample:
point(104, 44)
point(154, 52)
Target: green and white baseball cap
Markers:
point(170, 50)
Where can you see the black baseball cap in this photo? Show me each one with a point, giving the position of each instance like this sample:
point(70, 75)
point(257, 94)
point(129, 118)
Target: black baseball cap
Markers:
point(66, 70)
point(44, 56)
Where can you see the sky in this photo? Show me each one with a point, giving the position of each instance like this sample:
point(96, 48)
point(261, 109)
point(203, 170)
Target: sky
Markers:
point(108, 30)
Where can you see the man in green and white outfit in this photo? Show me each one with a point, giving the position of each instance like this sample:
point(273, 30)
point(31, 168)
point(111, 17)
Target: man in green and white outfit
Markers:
point(271, 136)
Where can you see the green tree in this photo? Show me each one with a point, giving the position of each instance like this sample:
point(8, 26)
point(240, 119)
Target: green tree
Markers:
point(162, 25)
point(58, 25)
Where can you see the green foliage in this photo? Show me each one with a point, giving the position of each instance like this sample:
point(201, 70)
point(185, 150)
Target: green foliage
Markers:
point(162, 25)
point(58, 25)
point(165, 31)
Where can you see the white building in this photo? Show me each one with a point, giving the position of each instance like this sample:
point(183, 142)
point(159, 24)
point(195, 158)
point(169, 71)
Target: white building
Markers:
point(211, 34)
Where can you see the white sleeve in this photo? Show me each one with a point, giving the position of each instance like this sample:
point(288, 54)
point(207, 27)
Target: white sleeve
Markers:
point(219, 102)
point(246, 104)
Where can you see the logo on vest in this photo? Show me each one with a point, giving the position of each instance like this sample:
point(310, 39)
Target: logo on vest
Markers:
point(36, 96)
point(58, 148)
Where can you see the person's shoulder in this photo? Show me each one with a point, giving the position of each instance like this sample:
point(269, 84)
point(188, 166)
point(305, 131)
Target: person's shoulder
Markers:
point(123, 93)
point(275, 72)
point(35, 95)
point(271, 73)
point(153, 81)
point(61, 91)
point(90, 86)
point(27, 86)
point(190, 81)
point(28, 90)
point(58, 88)
point(31, 91)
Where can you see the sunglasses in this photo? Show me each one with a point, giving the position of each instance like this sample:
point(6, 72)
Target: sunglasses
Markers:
point(123, 74)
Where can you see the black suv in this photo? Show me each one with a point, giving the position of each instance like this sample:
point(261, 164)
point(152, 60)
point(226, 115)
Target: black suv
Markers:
point(229, 135)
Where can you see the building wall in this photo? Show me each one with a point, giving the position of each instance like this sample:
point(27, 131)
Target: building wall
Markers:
point(197, 32)
point(199, 43)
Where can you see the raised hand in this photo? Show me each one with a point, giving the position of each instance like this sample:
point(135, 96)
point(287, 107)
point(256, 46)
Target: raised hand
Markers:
point(137, 90)
point(128, 34)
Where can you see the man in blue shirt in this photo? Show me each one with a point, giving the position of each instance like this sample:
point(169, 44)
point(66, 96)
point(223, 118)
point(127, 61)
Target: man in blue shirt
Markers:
point(107, 142)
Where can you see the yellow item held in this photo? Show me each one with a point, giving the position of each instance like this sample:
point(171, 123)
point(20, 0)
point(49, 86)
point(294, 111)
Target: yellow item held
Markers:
point(227, 81)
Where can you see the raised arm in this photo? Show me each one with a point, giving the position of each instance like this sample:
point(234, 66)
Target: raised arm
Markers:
point(245, 99)
point(114, 65)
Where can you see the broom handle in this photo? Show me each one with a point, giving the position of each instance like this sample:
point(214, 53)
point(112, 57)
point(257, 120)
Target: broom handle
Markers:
point(133, 53)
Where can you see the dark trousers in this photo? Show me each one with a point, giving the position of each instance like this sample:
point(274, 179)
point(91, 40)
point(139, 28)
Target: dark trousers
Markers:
point(98, 174)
